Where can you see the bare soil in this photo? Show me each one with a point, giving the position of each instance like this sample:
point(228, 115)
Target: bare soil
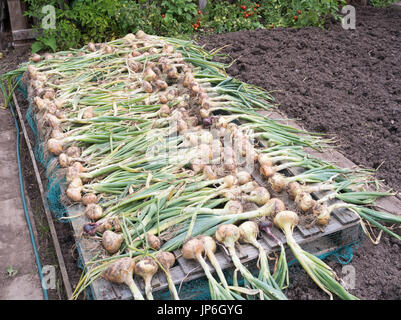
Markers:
point(347, 84)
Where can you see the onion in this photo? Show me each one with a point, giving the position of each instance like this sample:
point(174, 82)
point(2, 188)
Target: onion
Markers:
point(304, 201)
point(53, 120)
point(57, 134)
point(89, 198)
point(130, 37)
point(146, 268)
point(293, 189)
point(266, 227)
point(233, 207)
point(248, 232)
point(164, 110)
point(168, 48)
point(162, 98)
point(40, 104)
point(121, 271)
point(91, 228)
point(230, 181)
point(55, 146)
point(74, 194)
point(133, 65)
point(192, 249)
point(276, 206)
point(147, 87)
point(72, 173)
point(94, 211)
point(278, 182)
point(322, 213)
point(243, 177)
point(32, 71)
point(286, 220)
point(153, 241)
point(209, 173)
point(204, 113)
point(135, 53)
point(88, 113)
point(73, 151)
point(64, 160)
point(265, 160)
point(260, 196)
point(167, 260)
point(140, 34)
point(267, 171)
point(149, 75)
point(112, 241)
point(49, 94)
point(162, 85)
point(91, 47)
point(36, 58)
point(228, 234)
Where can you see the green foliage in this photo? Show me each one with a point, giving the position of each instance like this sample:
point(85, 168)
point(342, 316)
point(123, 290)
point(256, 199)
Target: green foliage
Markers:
point(299, 13)
point(82, 21)
point(382, 3)
point(225, 17)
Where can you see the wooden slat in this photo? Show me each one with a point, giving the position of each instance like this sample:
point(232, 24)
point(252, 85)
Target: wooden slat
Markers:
point(17, 19)
point(24, 34)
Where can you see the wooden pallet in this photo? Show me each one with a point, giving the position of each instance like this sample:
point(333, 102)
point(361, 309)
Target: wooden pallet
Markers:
point(343, 229)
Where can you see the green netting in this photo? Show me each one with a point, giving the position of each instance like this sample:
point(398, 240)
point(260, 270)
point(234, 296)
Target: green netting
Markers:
point(55, 181)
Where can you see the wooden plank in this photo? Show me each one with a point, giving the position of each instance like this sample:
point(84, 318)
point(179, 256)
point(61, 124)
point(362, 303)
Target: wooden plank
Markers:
point(24, 34)
point(17, 19)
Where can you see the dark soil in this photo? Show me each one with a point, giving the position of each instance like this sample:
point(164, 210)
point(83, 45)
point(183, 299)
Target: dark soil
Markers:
point(341, 82)
point(346, 83)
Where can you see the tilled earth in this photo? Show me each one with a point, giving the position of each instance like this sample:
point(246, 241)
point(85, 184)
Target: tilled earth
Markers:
point(345, 83)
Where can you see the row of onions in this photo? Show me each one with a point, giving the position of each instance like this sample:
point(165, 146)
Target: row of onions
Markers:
point(157, 144)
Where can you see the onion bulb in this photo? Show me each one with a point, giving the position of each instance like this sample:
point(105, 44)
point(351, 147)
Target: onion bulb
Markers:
point(293, 189)
point(89, 198)
point(243, 177)
point(112, 241)
point(228, 234)
point(167, 260)
point(278, 182)
point(55, 146)
point(94, 211)
point(248, 232)
point(153, 241)
point(121, 271)
point(146, 268)
point(260, 196)
point(36, 58)
point(322, 213)
point(304, 201)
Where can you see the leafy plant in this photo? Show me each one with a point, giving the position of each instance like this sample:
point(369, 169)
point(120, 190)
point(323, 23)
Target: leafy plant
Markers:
point(11, 272)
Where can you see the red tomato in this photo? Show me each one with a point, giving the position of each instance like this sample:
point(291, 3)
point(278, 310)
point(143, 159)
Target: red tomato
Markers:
point(199, 12)
point(246, 15)
point(243, 7)
point(163, 15)
point(299, 11)
point(295, 18)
